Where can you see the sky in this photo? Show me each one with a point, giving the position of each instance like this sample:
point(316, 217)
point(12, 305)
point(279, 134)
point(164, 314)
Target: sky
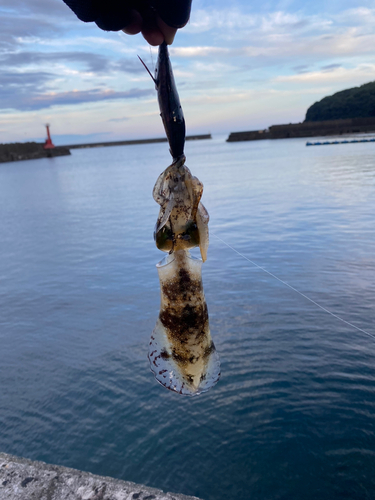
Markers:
point(238, 64)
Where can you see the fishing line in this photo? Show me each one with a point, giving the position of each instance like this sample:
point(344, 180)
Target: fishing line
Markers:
point(152, 59)
point(295, 289)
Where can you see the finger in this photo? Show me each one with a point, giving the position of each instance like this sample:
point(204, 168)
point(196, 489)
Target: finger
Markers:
point(135, 23)
point(150, 29)
point(153, 35)
point(167, 31)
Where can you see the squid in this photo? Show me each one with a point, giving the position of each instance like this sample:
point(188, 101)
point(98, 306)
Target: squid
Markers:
point(182, 354)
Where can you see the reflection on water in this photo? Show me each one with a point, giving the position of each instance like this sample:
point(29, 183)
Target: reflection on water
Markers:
point(293, 414)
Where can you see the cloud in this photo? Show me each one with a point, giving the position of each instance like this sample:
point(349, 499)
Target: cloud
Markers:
point(198, 51)
point(279, 38)
point(234, 22)
point(360, 17)
point(12, 30)
point(24, 87)
point(301, 68)
point(28, 78)
point(94, 62)
point(32, 19)
point(204, 20)
point(27, 91)
point(9, 80)
point(347, 44)
point(129, 66)
point(17, 87)
point(331, 67)
point(281, 34)
point(123, 119)
point(284, 21)
point(362, 73)
point(32, 7)
point(82, 96)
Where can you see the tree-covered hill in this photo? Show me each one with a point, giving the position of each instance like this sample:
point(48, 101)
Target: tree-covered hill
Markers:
point(358, 102)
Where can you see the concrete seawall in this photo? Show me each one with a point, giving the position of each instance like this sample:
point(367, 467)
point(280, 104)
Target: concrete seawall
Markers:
point(135, 142)
point(23, 479)
point(19, 151)
point(307, 129)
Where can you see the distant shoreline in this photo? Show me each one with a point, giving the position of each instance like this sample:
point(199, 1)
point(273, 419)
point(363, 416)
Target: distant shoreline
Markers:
point(134, 141)
point(307, 129)
point(19, 151)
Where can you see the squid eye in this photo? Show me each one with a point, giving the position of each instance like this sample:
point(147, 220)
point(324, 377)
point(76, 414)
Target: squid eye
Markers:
point(191, 234)
point(164, 239)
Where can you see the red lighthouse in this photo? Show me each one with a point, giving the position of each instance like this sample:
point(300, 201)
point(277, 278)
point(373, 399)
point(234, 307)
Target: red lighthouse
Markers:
point(48, 144)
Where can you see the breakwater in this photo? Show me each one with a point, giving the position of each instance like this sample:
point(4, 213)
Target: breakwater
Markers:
point(307, 129)
point(18, 151)
point(135, 141)
point(22, 479)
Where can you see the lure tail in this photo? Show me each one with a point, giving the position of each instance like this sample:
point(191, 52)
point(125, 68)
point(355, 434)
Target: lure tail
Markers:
point(169, 102)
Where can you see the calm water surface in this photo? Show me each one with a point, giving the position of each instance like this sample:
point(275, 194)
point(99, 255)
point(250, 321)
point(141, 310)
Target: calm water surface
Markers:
point(293, 416)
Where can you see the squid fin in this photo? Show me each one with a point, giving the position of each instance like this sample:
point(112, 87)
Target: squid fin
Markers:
point(167, 371)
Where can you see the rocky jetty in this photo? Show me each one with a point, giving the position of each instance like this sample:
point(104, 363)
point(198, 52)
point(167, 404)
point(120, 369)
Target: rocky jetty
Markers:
point(350, 111)
point(18, 151)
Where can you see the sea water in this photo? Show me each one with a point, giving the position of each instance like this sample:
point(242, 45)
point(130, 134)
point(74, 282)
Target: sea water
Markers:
point(293, 415)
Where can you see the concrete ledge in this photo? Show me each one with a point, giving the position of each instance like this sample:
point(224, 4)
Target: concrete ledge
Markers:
point(22, 479)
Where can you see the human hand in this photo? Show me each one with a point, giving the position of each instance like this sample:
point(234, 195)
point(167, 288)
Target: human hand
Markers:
point(157, 20)
point(154, 31)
